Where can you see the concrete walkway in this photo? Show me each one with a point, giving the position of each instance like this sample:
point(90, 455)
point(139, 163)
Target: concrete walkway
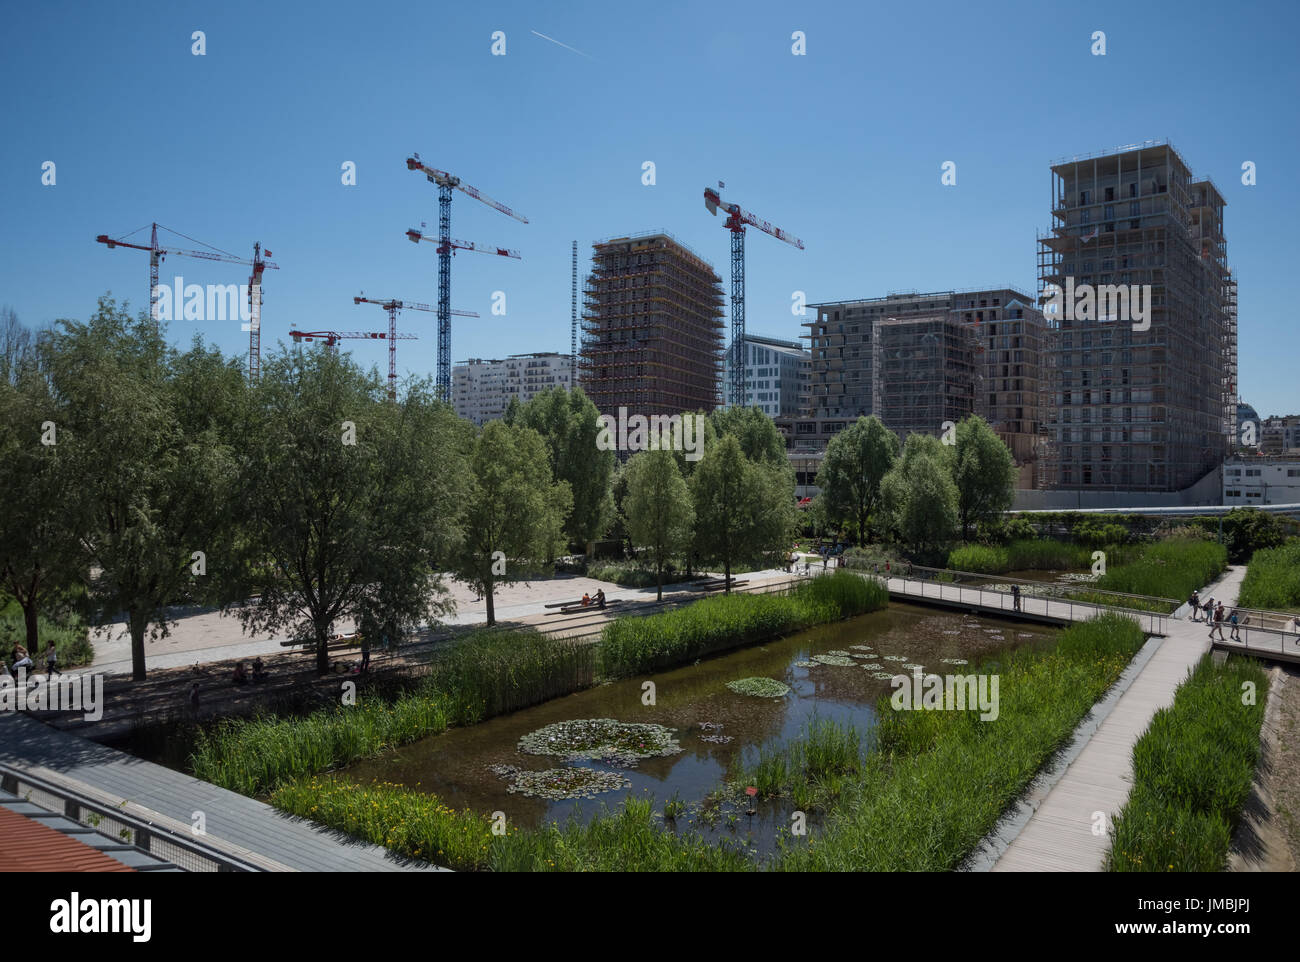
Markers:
point(245, 828)
point(1059, 836)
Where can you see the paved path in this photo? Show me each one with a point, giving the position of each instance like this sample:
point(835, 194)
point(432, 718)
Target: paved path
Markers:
point(243, 827)
point(1059, 835)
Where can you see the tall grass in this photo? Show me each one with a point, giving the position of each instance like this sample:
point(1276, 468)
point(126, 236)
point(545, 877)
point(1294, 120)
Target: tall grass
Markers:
point(1168, 569)
point(632, 645)
point(1192, 772)
point(940, 780)
point(1273, 579)
point(487, 674)
point(1031, 554)
point(809, 769)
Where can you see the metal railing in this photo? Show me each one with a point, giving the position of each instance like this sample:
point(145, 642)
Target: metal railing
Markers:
point(1044, 599)
point(181, 850)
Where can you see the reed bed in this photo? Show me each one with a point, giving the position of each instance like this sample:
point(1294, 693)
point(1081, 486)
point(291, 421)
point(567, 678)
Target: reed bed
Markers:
point(1168, 569)
point(632, 645)
point(939, 780)
point(487, 674)
point(1192, 773)
point(1272, 579)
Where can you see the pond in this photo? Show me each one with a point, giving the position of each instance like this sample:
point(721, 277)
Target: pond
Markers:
point(474, 767)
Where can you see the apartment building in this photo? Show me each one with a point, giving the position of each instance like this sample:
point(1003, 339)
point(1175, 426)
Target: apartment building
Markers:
point(777, 375)
point(1137, 403)
point(482, 389)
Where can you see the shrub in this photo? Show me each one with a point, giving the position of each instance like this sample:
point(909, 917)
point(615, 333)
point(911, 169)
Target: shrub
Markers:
point(1168, 569)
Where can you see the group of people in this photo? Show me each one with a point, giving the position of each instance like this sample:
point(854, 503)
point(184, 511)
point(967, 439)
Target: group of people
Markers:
point(1215, 616)
point(242, 676)
point(23, 660)
point(598, 601)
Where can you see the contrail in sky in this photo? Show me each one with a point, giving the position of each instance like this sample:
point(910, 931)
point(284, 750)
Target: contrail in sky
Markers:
point(557, 43)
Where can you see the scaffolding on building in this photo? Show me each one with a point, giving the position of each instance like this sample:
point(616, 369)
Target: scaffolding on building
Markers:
point(652, 327)
point(1159, 386)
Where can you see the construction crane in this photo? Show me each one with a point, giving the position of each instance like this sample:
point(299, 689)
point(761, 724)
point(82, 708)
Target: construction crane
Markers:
point(156, 256)
point(392, 307)
point(736, 220)
point(446, 183)
point(331, 339)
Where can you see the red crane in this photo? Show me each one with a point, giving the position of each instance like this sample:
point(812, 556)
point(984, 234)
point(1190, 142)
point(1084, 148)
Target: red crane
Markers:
point(445, 183)
point(156, 256)
point(737, 218)
point(392, 307)
point(331, 339)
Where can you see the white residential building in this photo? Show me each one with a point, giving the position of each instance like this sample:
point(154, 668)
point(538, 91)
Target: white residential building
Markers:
point(1261, 480)
point(482, 389)
point(777, 375)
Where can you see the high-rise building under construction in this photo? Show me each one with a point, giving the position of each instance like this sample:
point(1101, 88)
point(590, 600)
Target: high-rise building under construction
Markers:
point(652, 328)
point(1143, 378)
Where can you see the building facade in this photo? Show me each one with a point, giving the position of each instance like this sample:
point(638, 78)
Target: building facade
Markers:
point(1261, 480)
point(652, 328)
point(917, 360)
point(482, 389)
point(1137, 403)
point(777, 375)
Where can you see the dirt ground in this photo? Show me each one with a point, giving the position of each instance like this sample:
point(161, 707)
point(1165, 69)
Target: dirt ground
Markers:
point(1286, 761)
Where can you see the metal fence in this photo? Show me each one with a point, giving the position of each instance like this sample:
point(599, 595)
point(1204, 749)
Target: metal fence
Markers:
point(1058, 602)
point(178, 849)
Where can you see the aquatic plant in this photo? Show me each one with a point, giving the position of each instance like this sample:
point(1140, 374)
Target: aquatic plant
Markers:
point(562, 783)
point(841, 661)
point(757, 687)
point(603, 739)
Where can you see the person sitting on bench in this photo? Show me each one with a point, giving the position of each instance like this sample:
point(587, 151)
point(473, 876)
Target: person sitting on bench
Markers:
point(586, 600)
point(259, 671)
point(240, 677)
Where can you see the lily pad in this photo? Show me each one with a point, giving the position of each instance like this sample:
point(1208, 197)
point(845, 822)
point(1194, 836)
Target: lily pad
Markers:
point(759, 687)
point(894, 657)
point(954, 661)
point(561, 783)
point(601, 739)
point(841, 661)
point(805, 664)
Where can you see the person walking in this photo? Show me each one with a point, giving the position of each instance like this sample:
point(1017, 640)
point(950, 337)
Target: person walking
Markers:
point(1218, 622)
point(1209, 610)
point(1015, 597)
point(1235, 633)
point(51, 660)
point(1195, 602)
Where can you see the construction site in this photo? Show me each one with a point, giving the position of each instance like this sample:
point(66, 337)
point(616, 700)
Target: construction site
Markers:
point(652, 329)
point(1146, 406)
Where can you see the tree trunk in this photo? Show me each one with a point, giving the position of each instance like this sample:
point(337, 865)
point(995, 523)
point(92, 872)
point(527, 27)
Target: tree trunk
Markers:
point(491, 609)
point(322, 651)
point(29, 619)
point(659, 571)
point(137, 625)
point(727, 571)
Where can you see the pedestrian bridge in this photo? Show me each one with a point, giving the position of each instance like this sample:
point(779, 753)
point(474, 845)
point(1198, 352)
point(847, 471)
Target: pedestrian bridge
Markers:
point(1260, 634)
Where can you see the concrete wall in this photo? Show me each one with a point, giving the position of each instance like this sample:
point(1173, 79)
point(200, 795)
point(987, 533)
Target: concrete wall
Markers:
point(1207, 491)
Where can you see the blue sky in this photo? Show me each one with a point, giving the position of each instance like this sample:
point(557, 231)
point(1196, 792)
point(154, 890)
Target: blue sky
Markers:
point(842, 147)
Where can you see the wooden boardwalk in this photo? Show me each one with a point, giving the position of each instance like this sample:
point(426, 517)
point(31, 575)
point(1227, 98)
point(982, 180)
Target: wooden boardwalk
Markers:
point(1059, 835)
point(244, 828)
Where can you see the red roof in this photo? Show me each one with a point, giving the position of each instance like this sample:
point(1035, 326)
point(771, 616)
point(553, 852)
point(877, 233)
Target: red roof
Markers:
point(29, 846)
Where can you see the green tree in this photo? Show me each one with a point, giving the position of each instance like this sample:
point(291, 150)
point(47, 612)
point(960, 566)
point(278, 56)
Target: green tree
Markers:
point(759, 439)
point(658, 510)
point(919, 498)
point(150, 489)
point(350, 500)
point(568, 422)
point(742, 510)
point(40, 557)
point(514, 509)
point(857, 460)
point(984, 472)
